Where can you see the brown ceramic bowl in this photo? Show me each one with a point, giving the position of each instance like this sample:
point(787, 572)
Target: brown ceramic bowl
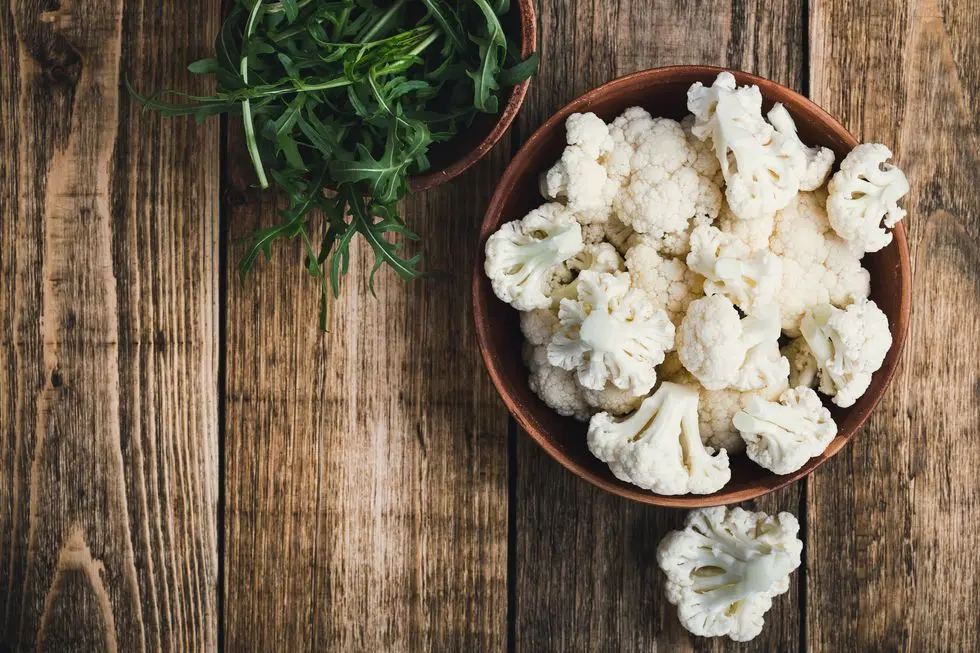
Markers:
point(663, 92)
point(452, 158)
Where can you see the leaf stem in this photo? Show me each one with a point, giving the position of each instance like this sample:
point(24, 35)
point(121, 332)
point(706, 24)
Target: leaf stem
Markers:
point(381, 22)
point(250, 142)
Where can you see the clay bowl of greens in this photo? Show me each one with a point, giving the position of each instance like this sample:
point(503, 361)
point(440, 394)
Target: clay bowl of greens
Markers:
point(663, 92)
point(349, 105)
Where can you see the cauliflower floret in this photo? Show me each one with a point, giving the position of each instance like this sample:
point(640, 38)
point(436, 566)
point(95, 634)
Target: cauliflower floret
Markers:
point(556, 387)
point(626, 131)
point(668, 282)
point(539, 325)
point(818, 267)
point(864, 194)
point(658, 447)
point(661, 194)
point(589, 132)
point(598, 257)
point(753, 233)
point(593, 233)
point(705, 163)
point(618, 234)
point(582, 182)
point(849, 346)
point(782, 437)
point(749, 278)
point(725, 567)
point(612, 400)
point(611, 333)
point(819, 160)
point(761, 167)
point(523, 257)
point(723, 351)
point(802, 365)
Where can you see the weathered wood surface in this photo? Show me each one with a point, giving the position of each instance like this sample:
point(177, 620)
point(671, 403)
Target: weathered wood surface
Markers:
point(892, 520)
point(108, 333)
point(374, 495)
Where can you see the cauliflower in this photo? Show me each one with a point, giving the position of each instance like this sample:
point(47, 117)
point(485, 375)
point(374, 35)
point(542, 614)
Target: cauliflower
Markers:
point(539, 325)
point(705, 163)
point(523, 257)
point(707, 207)
point(556, 387)
point(819, 160)
point(753, 233)
point(725, 567)
point(658, 447)
point(660, 196)
point(749, 278)
point(849, 345)
point(864, 194)
point(611, 333)
point(626, 131)
point(802, 365)
point(762, 168)
point(598, 257)
point(723, 351)
point(580, 177)
point(588, 132)
point(667, 281)
point(618, 234)
point(818, 267)
point(782, 437)
point(612, 400)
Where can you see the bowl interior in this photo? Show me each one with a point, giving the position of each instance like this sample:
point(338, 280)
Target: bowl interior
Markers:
point(451, 158)
point(663, 93)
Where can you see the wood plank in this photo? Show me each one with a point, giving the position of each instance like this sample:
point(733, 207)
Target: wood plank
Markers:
point(893, 534)
point(586, 572)
point(108, 435)
point(366, 505)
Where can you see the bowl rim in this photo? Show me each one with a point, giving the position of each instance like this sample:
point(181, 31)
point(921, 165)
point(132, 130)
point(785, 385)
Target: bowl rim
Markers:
point(529, 46)
point(480, 309)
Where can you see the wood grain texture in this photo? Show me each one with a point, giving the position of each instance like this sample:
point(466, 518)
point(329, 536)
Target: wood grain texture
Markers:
point(586, 577)
point(366, 500)
point(893, 535)
point(108, 350)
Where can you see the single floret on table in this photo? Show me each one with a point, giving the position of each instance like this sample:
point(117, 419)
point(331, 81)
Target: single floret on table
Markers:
point(849, 346)
point(611, 333)
point(864, 195)
point(658, 447)
point(783, 436)
point(749, 278)
point(726, 566)
point(524, 257)
point(723, 350)
point(668, 282)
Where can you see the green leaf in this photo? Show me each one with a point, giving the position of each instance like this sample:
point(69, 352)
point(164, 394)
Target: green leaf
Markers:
point(519, 72)
point(204, 66)
point(376, 232)
point(292, 11)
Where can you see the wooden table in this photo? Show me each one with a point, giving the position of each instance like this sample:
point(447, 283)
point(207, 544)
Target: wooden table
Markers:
point(187, 465)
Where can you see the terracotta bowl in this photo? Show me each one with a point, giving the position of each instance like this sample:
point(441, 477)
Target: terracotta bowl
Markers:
point(453, 157)
point(663, 93)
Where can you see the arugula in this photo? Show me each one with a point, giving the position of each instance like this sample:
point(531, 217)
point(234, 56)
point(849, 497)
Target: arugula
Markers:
point(340, 101)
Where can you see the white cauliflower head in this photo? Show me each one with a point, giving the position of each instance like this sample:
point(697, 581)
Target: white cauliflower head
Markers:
point(524, 256)
point(819, 160)
point(725, 567)
point(864, 196)
point(705, 163)
point(611, 333)
point(761, 167)
point(556, 387)
point(612, 400)
point(849, 346)
point(721, 350)
point(582, 182)
point(661, 195)
point(625, 132)
point(783, 436)
point(539, 325)
point(658, 447)
point(749, 278)
point(754, 234)
point(589, 132)
point(818, 267)
point(668, 282)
